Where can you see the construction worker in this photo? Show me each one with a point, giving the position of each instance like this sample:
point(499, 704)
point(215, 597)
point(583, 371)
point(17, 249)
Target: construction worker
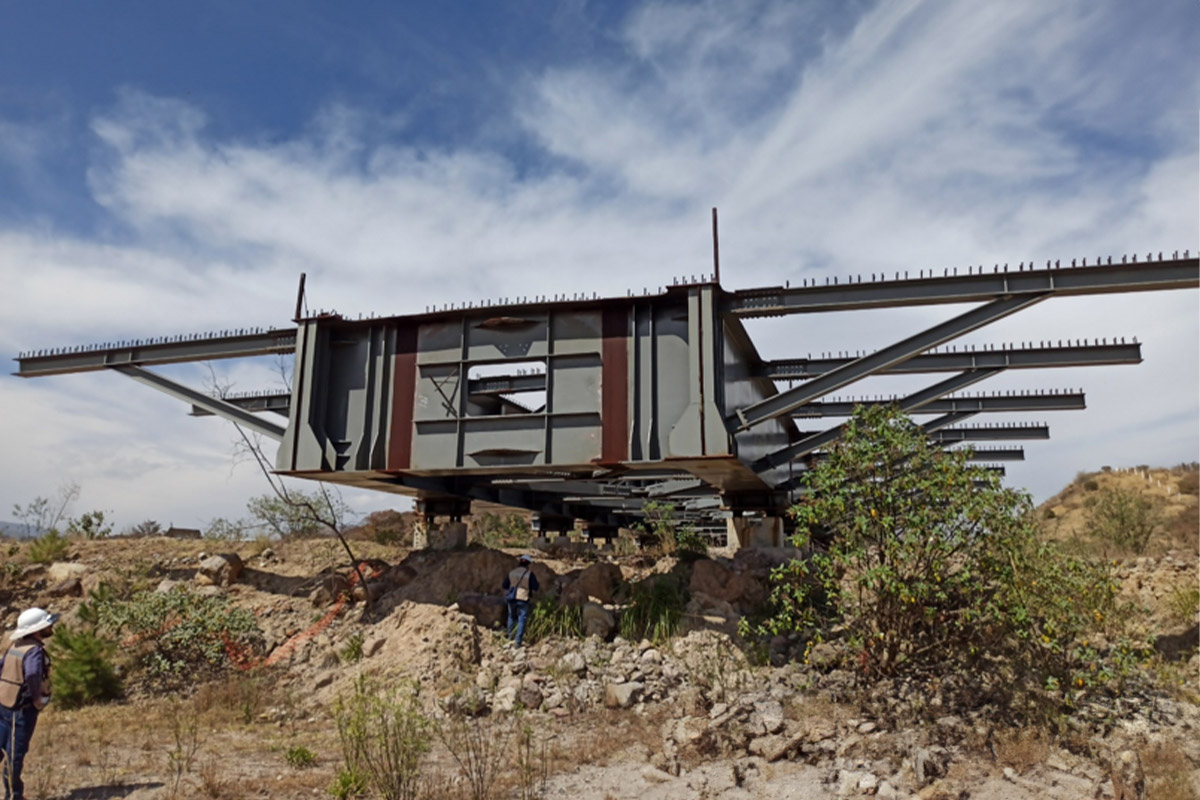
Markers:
point(520, 585)
point(24, 692)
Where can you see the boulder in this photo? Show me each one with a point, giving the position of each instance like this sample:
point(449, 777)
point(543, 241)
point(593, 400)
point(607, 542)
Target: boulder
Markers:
point(219, 570)
point(597, 581)
point(598, 621)
point(739, 589)
point(330, 589)
point(572, 662)
point(505, 699)
point(622, 695)
point(72, 587)
point(488, 609)
point(61, 571)
point(529, 696)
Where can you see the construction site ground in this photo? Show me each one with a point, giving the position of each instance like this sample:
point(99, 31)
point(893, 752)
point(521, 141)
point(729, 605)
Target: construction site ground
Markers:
point(604, 718)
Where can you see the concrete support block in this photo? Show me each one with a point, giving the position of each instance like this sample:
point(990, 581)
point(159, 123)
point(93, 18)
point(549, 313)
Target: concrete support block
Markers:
point(754, 532)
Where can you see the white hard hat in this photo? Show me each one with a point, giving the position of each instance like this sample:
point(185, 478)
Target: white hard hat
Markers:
point(33, 620)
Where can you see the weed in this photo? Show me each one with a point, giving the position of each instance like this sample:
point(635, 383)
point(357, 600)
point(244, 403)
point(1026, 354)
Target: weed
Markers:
point(300, 757)
point(654, 611)
point(185, 741)
point(348, 783)
point(1168, 772)
point(384, 738)
point(548, 618)
point(49, 548)
point(531, 763)
point(1184, 603)
point(478, 746)
point(353, 651)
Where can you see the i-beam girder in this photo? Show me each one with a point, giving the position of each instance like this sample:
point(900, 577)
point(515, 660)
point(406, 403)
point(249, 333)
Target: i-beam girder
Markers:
point(788, 401)
point(1003, 292)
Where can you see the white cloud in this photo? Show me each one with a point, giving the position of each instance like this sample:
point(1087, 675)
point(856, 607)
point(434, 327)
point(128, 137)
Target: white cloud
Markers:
point(922, 135)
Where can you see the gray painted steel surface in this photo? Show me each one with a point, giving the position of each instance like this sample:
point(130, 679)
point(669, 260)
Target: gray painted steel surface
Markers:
point(588, 408)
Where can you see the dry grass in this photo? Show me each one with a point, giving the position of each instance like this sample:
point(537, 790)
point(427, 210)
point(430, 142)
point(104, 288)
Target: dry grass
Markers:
point(1168, 772)
point(1022, 749)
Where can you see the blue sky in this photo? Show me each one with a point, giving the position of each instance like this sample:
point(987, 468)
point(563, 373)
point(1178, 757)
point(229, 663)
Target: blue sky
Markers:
point(167, 168)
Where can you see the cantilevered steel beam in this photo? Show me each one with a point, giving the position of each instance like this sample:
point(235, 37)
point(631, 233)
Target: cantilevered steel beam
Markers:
point(916, 400)
point(506, 384)
point(211, 404)
point(1034, 401)
point(1008, 358)
point(978, 284)
point(982, 433)
point(151, 352)
point(996, 454)
point(788, 401)
point(990, 433)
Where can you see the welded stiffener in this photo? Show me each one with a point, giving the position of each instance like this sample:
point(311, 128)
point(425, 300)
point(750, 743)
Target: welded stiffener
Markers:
point(585, 409)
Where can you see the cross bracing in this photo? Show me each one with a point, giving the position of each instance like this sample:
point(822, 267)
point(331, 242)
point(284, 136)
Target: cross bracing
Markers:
point(587, 408)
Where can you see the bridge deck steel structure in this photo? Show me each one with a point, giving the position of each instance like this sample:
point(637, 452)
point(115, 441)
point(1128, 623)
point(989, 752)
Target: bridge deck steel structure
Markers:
point(589, 408)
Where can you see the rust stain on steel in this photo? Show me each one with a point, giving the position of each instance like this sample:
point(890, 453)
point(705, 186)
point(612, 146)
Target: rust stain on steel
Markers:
point(614, 383)
point(404, 390)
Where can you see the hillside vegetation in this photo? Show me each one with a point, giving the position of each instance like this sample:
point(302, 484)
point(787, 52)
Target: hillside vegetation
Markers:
point(238, 669)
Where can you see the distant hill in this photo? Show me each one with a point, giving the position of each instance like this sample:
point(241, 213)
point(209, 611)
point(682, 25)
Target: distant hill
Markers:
point(15, 530)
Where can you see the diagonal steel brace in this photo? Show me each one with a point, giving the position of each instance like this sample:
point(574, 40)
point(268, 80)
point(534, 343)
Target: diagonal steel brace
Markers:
point(214, 405)
point(788, 401)
point(819, 440)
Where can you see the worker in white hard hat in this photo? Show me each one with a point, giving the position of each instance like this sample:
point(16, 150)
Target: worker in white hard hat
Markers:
point(24, 692)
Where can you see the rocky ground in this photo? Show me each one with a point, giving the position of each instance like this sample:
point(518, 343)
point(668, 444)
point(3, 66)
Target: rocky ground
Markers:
point(691, 717)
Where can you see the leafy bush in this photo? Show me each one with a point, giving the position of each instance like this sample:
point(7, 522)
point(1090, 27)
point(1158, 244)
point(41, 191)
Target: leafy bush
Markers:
point(146, 527)
point(49, 548)
point(1123, 518)
point(662, 527)
point(83, 670)
point(89, 525)
point(548, 618)
point(926, 565)
point(384, 739)
point(654, 611)
point(1190, 483)
point(1091, 486)
point(502, 530)
point(178, 636)
point(300, 757)
point(224, 530)
point(348, 783)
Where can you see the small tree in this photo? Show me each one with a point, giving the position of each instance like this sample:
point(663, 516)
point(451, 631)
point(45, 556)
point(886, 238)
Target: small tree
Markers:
point(43, 514)
point(1124, 518)
point(89, 525)
point(928, 566)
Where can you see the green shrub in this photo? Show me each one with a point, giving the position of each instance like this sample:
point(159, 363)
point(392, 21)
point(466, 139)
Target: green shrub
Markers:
point(1123, 518)
point(83, 670)
point(47, 549)
point(353, 652)
point(925, 565)
point(384, 738)
point(178, 636)
point(348, 783)
point(548, 618)
point(503, 530)
point(1091, 486)
point(89, 525)
point(654, 611)
point(300, 757)
point(1184, 603)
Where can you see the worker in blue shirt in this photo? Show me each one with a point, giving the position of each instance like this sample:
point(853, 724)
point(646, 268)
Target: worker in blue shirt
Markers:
point(24, 692)
point(520, 585)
